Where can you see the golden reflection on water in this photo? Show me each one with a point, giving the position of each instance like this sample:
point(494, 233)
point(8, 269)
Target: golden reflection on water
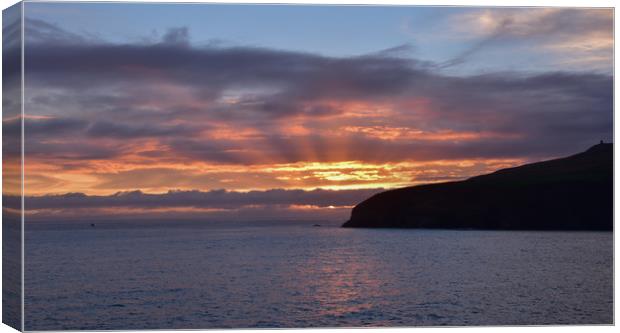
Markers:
point(346, 281)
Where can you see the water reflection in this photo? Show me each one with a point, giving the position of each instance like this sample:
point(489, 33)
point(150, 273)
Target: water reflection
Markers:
point(237, 276)
point(344, 282)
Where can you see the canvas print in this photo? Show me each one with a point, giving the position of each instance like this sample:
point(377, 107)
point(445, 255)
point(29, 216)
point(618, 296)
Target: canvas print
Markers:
point(208, 166)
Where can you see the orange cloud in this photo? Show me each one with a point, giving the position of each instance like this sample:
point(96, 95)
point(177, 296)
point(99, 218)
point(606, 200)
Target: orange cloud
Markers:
point(395, 133)
point(157, 178)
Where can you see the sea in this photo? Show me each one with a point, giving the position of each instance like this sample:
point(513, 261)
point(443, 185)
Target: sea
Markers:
point(211, 275)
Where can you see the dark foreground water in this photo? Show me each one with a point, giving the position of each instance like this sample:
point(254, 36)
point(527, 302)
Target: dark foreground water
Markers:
point(138, 276)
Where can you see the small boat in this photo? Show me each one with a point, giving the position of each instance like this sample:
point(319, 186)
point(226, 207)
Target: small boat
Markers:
point(316, 225)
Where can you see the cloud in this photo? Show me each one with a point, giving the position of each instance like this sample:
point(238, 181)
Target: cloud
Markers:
point(200, 199)
point(496, 34)
point(176, 36)
point(538, 22)
point(398, 50)
point(40, 31)
point(123, 131)
point(11, 48)
point(571, 33)
point(172, 103)
point(292, 75)
point(273, 204)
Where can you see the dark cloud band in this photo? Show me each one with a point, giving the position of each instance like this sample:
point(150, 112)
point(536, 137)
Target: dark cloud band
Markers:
point(197, 199)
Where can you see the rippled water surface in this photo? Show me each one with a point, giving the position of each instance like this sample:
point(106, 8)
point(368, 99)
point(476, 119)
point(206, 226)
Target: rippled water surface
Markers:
point(167, 275)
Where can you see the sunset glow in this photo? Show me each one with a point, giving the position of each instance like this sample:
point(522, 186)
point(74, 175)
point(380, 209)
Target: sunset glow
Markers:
point(194, 109)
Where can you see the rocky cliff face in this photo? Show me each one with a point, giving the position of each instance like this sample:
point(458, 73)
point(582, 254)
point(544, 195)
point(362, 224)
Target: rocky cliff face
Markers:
point(572, 193)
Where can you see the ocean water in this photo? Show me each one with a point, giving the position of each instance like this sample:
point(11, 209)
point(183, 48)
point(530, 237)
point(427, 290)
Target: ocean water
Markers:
point(257, 275)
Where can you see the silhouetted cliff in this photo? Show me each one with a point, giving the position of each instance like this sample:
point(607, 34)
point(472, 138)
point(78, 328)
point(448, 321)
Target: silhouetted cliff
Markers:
point(572, 193)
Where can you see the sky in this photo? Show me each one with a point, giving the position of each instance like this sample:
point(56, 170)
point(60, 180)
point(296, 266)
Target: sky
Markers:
point(237, 112)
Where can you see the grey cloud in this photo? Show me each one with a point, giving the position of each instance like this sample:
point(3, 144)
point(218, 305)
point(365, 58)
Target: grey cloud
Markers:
point(477, 46)
point(198, 199)
point(11, 47)
point(567, 21)
point(52, 126)
point(70, 150)
point(398, 50)
point(42, 126)
point(176, 36)
point(555, 26)
point(68, 138)
point(38, 31)
point(104, 129)
point(211, 68)
point(56, 127)
point(548, 113)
